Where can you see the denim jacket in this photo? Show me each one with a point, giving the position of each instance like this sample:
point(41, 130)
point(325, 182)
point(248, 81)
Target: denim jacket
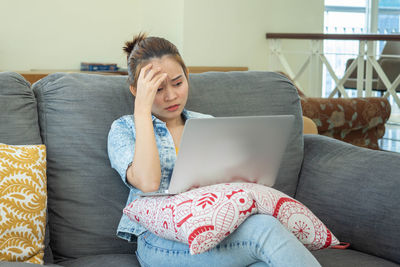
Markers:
point(121, 146)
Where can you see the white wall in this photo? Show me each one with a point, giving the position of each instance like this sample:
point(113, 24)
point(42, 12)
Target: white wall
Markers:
point(59, 34)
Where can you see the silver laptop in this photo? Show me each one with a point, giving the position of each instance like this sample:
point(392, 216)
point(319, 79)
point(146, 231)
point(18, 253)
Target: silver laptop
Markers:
point(229, 149)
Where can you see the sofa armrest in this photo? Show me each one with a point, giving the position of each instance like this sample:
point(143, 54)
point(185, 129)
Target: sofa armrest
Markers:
point(355, 192)
point(359, 121)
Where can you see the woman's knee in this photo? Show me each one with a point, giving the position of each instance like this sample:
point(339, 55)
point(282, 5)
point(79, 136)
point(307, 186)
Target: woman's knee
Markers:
point(257, 226)
point(263, 220)
point(149, 240)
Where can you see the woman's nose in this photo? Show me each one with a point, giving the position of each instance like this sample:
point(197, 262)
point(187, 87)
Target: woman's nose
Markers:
point(170, 94)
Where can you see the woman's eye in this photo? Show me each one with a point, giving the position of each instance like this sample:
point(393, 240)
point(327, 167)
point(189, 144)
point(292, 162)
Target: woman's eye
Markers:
point(159, 89)
point(179, 83)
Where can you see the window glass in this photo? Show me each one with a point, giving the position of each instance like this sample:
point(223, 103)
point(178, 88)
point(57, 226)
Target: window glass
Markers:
point(341, 17)
point(388, 19)
point(350, 17)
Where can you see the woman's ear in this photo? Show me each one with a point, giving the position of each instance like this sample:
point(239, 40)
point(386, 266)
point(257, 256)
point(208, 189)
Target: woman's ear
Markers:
point(132, 89)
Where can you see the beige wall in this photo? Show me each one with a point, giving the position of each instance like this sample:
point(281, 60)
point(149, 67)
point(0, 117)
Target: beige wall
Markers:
point(59, 34)
point(232, 32)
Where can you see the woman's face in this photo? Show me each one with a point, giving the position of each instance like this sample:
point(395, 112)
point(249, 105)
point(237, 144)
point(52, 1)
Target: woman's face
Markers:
point(172, 94)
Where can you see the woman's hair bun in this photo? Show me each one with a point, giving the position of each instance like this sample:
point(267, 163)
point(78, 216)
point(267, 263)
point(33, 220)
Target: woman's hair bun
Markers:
point(130, 45)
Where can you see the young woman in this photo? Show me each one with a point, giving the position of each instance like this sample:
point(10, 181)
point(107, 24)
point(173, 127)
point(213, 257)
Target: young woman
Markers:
point(142, 147)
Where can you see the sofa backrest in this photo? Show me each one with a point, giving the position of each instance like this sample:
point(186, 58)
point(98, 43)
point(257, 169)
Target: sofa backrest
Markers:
point(86, 196)
point(18, 114)
point(19, 120)
point(354, 191)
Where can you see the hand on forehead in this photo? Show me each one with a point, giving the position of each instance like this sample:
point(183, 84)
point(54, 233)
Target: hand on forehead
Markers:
point(167, 65)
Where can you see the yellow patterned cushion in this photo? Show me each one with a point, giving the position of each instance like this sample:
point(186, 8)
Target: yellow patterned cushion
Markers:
point(23, 199)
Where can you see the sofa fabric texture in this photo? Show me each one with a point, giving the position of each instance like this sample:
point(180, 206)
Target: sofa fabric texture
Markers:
point(352, 190)
point(85, 197)
point(349, 257)
point(19, 121)
point(18, 113)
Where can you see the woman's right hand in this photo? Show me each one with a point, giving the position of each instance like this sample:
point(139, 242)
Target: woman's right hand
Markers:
point(149, 81)
point(145, 172)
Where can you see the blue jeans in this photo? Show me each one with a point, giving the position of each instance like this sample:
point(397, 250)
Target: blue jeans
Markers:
point(260, 240)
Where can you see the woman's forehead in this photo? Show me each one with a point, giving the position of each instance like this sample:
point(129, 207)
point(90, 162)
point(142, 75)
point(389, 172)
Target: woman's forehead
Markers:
point(167, 64)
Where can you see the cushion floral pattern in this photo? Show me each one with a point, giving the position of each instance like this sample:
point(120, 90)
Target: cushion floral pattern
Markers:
point(358, 121)
point(22, 203)
point(204, 216)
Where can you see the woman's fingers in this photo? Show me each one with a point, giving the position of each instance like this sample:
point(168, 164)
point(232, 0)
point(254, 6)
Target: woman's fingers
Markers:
point(148, 73)
point(143, 70)
point(151, 73)
point(150, 79)
point(159, 79)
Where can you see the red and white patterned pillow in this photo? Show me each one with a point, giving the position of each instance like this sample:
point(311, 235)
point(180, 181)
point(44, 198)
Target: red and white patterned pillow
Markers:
point(205, 216)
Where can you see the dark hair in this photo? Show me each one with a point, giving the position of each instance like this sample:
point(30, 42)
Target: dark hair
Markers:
point(142, 49)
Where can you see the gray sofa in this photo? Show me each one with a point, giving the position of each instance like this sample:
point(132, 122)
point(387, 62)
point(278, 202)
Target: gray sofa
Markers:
point(353, 190)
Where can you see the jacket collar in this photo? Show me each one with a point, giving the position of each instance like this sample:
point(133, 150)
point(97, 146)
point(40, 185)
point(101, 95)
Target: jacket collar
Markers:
point(185, 114)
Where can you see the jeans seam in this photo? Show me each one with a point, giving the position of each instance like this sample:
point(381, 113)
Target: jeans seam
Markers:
point(164, 250)
point(142, 263)
point(257, 246)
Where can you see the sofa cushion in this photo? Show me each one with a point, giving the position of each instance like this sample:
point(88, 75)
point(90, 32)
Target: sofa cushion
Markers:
point(18, 111)
point(23, 264)
point(355, 192)
point(203, 217)
point(85, 195)
point(120, 260)
point(349, 257)
point(18, 114)
point(253, 93)
point(22, 202)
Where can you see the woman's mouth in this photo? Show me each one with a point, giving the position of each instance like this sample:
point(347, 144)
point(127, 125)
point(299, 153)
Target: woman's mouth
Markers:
point(172, 108)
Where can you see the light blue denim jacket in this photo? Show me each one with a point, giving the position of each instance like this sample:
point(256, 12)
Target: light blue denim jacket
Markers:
point(121, 147)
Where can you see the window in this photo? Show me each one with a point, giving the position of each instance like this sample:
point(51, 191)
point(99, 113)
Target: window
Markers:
point(388, 18)
point(355, 17)
point(342, 16)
